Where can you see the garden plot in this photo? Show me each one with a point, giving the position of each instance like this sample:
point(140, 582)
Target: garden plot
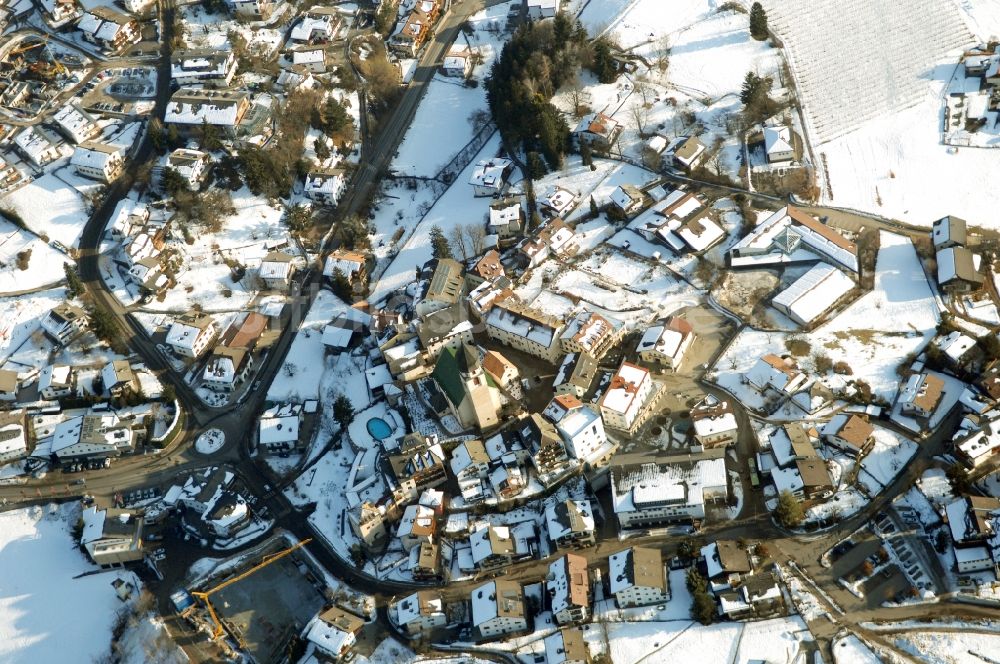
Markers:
point(456, 207)
point(447, 118)
point(873, 335)
point(303, 370)
point(42, 265)
point(206, 278)
point(887, 458)
point(64, 213)
point(46, 606)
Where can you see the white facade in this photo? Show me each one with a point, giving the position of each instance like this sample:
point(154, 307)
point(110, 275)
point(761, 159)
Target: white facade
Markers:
point(98, 161)
point(498, 609)
point(625, 397)
point(191, 340)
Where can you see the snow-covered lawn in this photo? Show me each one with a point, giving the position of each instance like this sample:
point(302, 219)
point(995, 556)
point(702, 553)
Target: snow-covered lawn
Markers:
point(211, 441)
point(44, 610)
point(950, 647)
point(22, 317)
point(63, 215)
point(850, 650)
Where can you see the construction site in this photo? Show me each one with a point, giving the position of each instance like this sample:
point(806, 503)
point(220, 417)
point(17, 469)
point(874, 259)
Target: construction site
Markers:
point(33, 72)
point(258, 603)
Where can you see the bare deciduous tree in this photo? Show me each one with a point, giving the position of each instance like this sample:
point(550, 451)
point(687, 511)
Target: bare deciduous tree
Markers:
point(475, 234)
point(457, 239)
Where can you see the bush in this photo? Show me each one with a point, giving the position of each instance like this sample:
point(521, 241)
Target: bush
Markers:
point(797, 346)
point(789, 511)
point(823, 363)
point(23, 258)
point(843, 368)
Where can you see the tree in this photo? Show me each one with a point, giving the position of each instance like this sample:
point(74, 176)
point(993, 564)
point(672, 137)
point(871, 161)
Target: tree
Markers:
point(753, 85)
point(343, 411)
point(958, 477)
point(341, 285)
point(439, 243)
point(603, 64)
point(702, 604)
point(322, 149)
point(74, 285)
point(457, 238)
point(789, 511)
point(173, 182)
point(758, 22)
point(209, 137)
point(594, 211)
point(475, 235)
point(586, 154)
point(299, 218)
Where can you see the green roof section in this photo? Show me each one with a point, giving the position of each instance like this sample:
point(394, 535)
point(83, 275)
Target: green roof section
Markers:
point(448, 376)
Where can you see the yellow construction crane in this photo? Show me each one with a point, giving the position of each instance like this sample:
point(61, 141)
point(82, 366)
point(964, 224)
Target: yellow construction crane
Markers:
point(22, 49)
point(267, 560)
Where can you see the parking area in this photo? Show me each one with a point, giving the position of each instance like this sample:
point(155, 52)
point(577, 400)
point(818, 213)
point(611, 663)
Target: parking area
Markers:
point(887, 585)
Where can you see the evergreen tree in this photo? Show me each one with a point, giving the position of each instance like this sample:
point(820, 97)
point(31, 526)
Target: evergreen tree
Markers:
point(593, 208)
point(604, 65)
point(341, 286)
point(439, 243)
point(586, 154)
point(789, 511)
point(74, 285)
point(752, 85)
point(343, 411)
point(758, 22)
point(322, 149)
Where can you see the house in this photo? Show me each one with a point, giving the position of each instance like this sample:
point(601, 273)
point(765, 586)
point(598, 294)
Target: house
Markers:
point(590, 333)
point(325, 186)
point(471, 394)
point(575, 375)
point(627, 199)
point(679, 220)
point(351, 264)
point(227, 368)
point(368, 523)
point(98, 161)
point(688, 153)
point(9, 174)
point(568, 586)
point(112, 537)
point(813, 294)
point(318, 25)
point(210, 66)
point(255, 10)
point(498, 609)
point(490, 176)
point(414, 30)
point(276, 270)
point(553, 239)
point(792, 442)
point(851, 433)
point(957, 348)
point(778, 144)
point(725, 562)
point(492, 547)
point(420, 612)
point(60, 11)
point(598, 131)
point(109, 29)
point(759, 595)
point(148, 273)
point(958, 270)
point(190, 165)
point(487, 268)
point(557, 201)
point(278, 429)
point(470, 460)
point(629, 399)
point(649, 492)
point(567, 645)
point(192, 334)
point(417, 526)
point(581, 429)
point(570, 524)
point(189, 109)
point(949, 232)
point(118, 377)
point(507, 479)
point(64, 323)
point(791, 235)
point(457, 63)
point(449, 327)
point(921, 395)
point(13, 436)
point(714, 423)
point(529, 330)
point(500, 369)
point(663, 346)
point(807, 479)
point(37, 145)
point(775, 374)
point(445, 287)
point(972, 525)
point(506, 218)
point(56, 381)
point(8, 385)
point(333, 632)
point(636, 577)
point(978, 447)
point(539, 9)
point(425, 562)
point(419, 462)
point(310, 59)
point(75, 123)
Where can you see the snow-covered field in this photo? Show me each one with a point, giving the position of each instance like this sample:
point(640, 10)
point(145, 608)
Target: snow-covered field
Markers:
point(63, 215)
point(950, 647)
point(45, 265)
point(44, 610)
point(887, 458)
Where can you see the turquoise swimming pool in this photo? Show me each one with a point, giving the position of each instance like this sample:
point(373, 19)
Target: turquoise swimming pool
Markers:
point(379, 428)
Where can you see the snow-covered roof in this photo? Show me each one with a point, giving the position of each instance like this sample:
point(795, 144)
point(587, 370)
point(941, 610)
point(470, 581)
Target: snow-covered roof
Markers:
point(650, 484)
point(279, 429)
point(777, 140)
point(955, 345)
point(216, 107)
point(783, 232)
point(813, 293)
point(625, 385)
point(490, 173)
